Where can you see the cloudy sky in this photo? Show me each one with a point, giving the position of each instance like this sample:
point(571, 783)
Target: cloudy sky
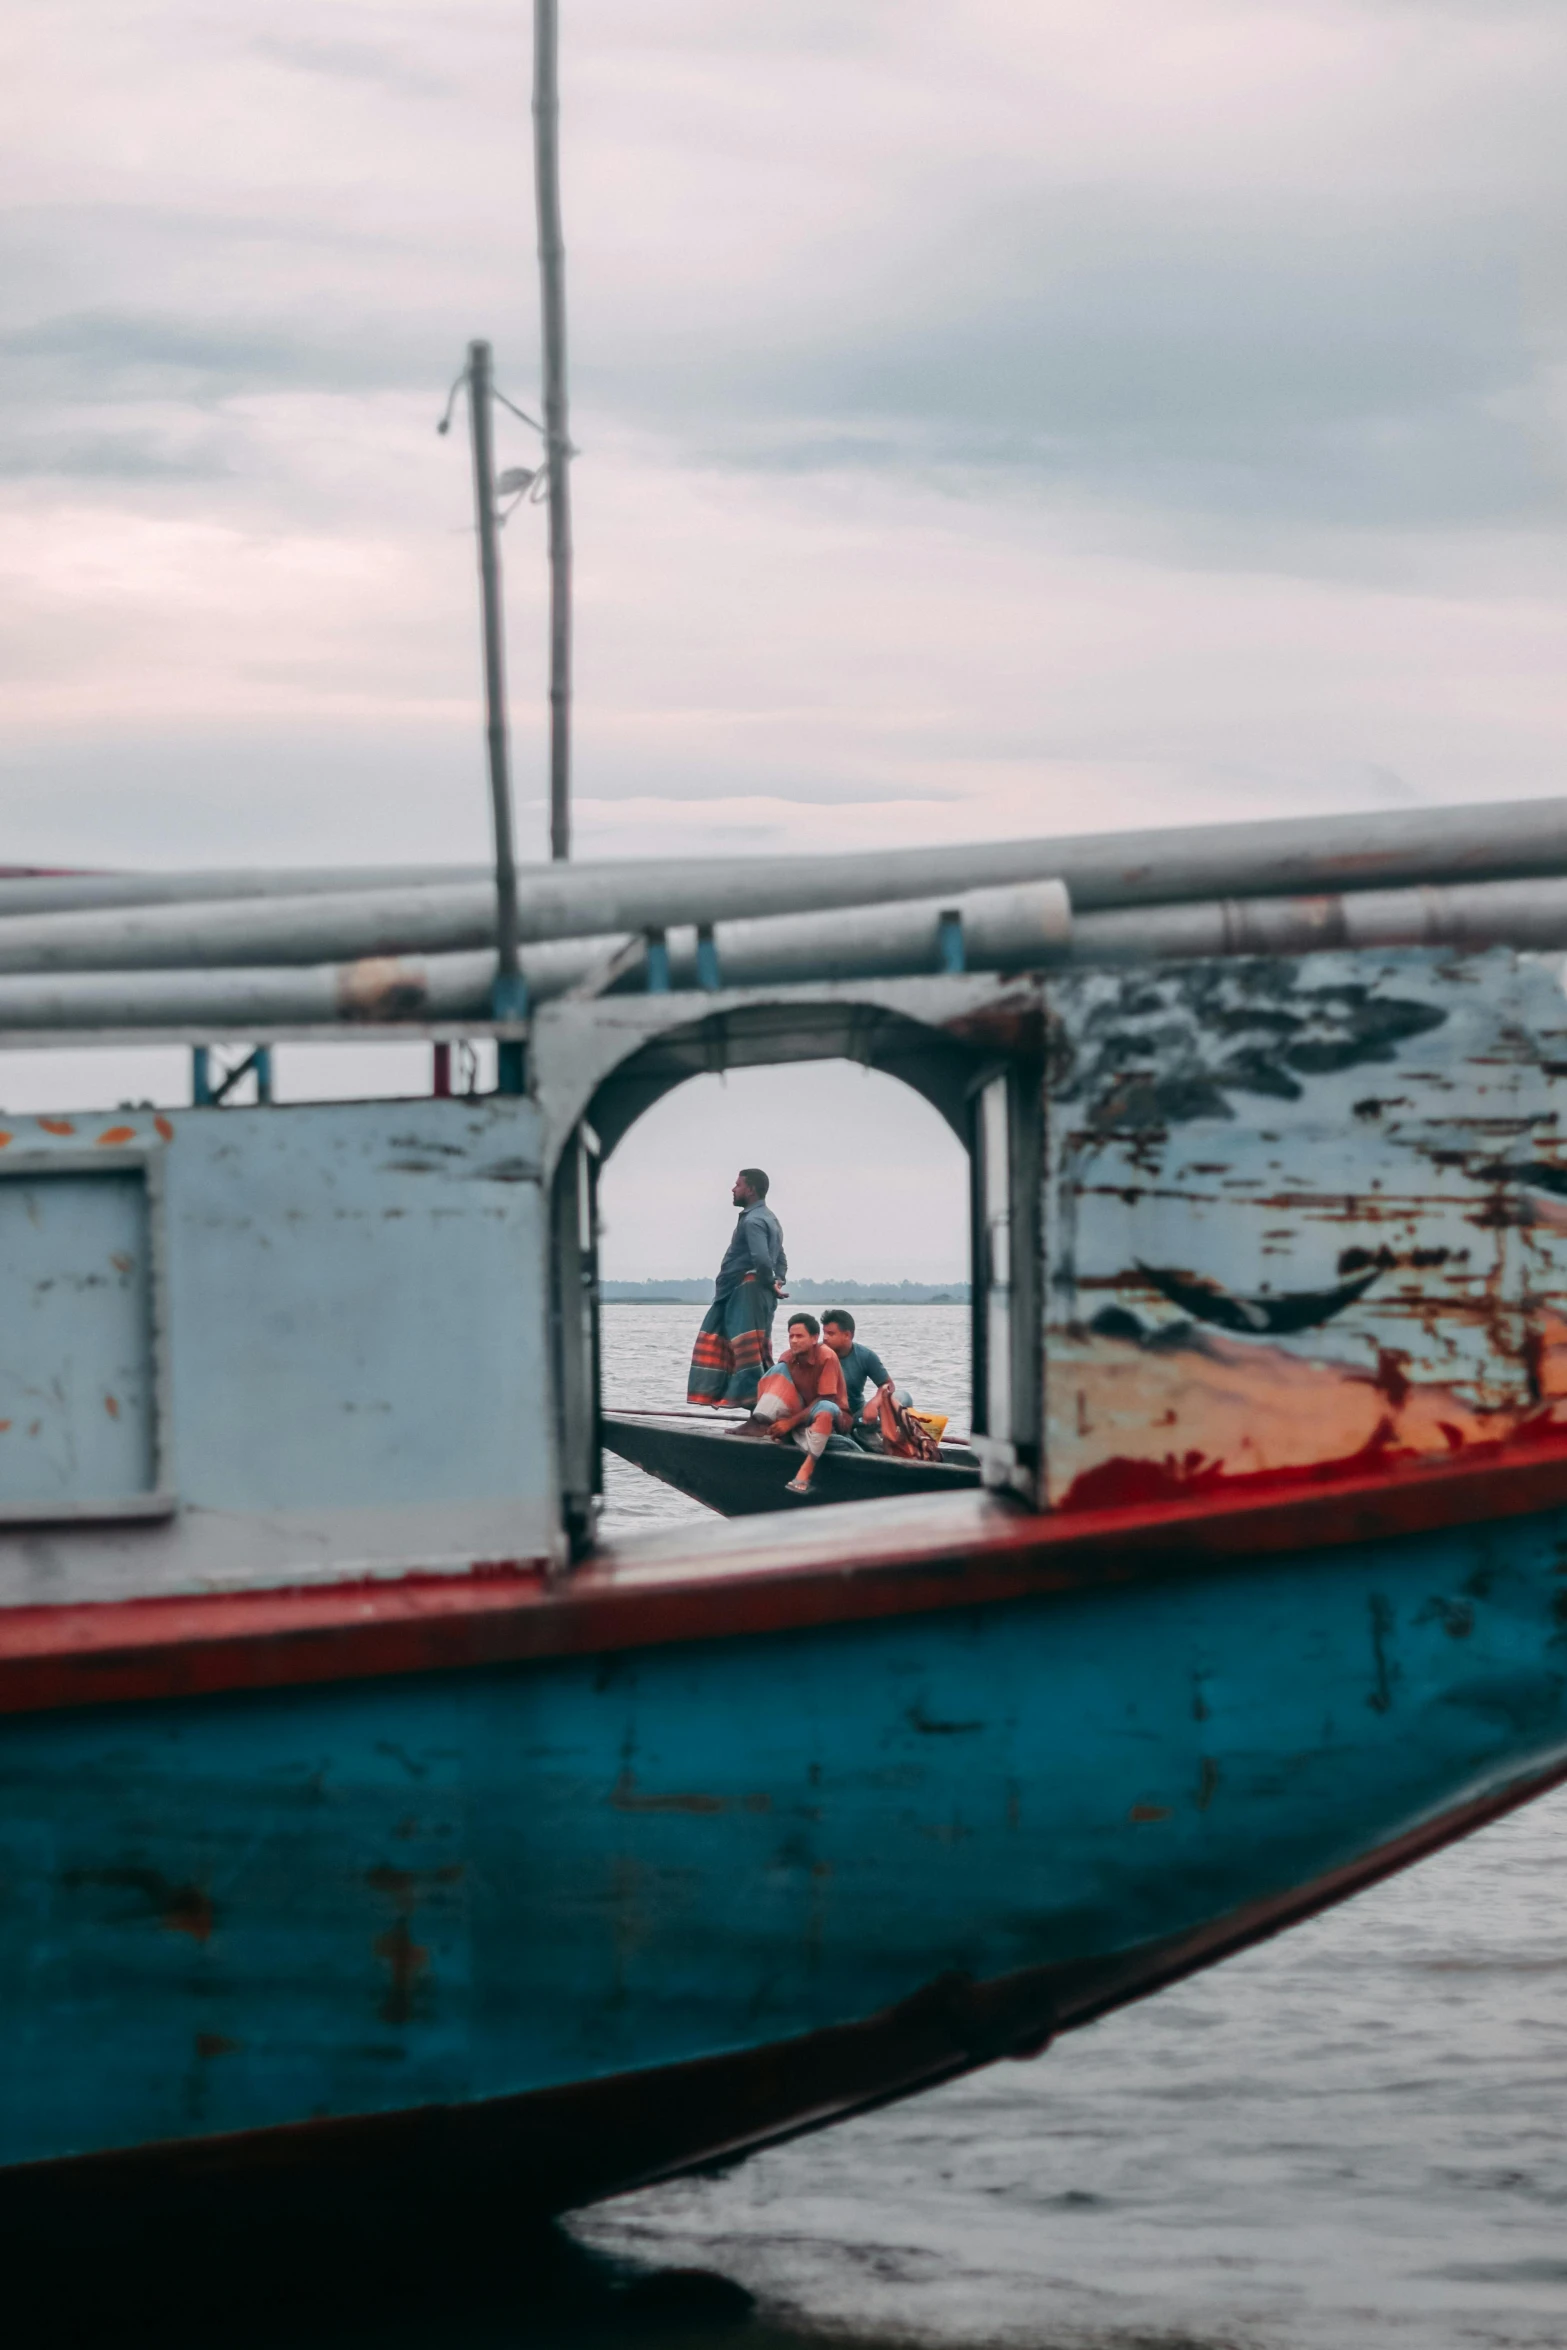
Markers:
point(993, 418)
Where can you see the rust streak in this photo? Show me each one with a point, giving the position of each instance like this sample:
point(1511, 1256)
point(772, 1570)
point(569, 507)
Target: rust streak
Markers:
point(57, 1125)
point(1149, 1811)
point(624, 1797)
point(929, 1727)
point(406, 1961)
point(179, 1909)
point(116, 1134)
point(404, 1886)
point(381, 987)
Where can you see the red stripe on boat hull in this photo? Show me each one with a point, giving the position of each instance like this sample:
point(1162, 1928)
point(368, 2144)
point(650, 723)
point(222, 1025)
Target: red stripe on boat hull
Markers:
point(719, 1582)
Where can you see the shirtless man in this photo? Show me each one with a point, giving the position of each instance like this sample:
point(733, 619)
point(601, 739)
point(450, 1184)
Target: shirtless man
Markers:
point(803, 1396)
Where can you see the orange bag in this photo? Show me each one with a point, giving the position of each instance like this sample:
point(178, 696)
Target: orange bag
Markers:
point(901, 1433)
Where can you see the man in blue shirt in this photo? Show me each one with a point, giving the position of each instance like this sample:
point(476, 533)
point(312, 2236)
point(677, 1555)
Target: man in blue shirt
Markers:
point(860, 1364)
point(756, 1246)
point(735, 1343)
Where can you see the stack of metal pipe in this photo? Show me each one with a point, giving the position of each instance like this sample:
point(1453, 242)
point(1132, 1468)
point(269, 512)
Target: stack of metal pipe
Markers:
point(249, 952)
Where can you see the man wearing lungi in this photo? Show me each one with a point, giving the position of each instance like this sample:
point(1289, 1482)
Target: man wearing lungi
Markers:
point(803, 1395)
point(735, 1343)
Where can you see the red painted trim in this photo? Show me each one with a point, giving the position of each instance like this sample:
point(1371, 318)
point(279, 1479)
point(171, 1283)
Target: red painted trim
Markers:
point(756, 1576)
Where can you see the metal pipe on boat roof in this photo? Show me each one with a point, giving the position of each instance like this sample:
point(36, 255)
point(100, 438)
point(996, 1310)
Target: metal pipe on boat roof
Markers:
point(249, 931)
point(69, 893)
point(1028, 927)
point(349, 927)
point(381, 990)
point(1283, 857)
point(377, 991)
point(1001, 929)
point(353, 925)
point(1471, 916)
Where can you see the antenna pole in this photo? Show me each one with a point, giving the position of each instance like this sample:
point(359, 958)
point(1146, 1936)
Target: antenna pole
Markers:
point(557, 440)
point(508, 986)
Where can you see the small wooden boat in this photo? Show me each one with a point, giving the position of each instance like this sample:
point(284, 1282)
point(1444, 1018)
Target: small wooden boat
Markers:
point(703, 1454)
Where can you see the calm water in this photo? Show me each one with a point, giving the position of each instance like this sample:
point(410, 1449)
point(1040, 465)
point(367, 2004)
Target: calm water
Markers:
point(647, 1350)
point(1356, 2137)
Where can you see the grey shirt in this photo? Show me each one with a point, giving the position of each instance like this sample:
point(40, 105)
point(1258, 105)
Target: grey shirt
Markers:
point(757, 1247)
point(862, 1367)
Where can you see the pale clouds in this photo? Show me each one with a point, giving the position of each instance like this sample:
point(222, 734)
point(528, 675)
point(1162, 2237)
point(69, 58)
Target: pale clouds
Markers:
point(993, 417)
point(869, 1181)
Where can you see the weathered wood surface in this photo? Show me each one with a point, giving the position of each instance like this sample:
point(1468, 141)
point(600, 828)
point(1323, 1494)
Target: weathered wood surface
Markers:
point(1302, 1213)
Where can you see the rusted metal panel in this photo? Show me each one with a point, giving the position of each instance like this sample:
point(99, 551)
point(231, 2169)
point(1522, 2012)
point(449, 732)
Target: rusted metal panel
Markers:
point(1302, 1214)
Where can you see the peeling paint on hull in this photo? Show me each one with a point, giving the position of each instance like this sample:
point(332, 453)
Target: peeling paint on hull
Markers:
point(452, 1889)
point(1303, 1215)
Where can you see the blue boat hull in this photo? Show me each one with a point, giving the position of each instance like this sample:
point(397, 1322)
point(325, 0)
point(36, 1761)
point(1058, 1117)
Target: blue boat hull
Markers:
point(604, 1915)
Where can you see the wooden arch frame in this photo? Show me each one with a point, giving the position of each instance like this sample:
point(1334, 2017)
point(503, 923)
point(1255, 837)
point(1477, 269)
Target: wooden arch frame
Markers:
point(972, 1046)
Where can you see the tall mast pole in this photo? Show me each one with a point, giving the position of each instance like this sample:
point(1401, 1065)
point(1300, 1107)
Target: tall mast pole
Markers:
point(508, 986)
point(557, 441)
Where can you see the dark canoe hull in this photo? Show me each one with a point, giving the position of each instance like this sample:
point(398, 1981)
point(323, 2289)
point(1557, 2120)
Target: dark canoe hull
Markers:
point(392, 1887)
point(740, 1476)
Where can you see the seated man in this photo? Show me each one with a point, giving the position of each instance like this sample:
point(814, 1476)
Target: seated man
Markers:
point(861, 1366)
point(803, 1396)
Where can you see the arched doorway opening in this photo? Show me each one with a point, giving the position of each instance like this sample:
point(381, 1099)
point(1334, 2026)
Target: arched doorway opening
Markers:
point(872, 1188)
point(973, 1047)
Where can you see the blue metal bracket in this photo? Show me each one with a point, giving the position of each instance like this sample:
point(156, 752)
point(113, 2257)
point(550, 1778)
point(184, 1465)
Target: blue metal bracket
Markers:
point(509, 1001)
point(707, 972)
point(209, 1093)
point(657, 963)
point(509, 996)
point(949, 944)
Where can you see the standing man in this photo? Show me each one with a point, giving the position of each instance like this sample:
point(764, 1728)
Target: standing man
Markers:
point(735, 1343)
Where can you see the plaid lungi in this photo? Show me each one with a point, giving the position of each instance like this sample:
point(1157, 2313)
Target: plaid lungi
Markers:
point(734, 1346)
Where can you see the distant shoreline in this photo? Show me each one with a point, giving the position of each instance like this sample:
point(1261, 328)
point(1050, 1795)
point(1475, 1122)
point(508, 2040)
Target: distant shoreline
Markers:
point(690, 1292)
